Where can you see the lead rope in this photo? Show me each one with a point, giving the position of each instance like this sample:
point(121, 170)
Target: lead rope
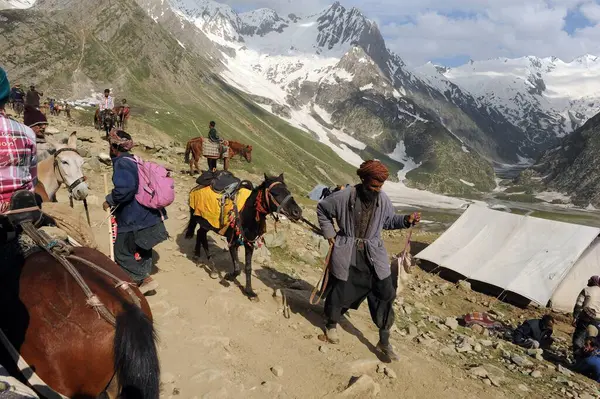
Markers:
point(324, 278)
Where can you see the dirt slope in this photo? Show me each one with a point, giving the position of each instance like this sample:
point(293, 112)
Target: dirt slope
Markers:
point(215, 343)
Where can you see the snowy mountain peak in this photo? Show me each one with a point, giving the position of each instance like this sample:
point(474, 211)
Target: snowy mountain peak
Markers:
point(261, 21)
point(19, 4)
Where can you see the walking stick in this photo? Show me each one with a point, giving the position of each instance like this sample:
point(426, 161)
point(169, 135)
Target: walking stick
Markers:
point(110, 228)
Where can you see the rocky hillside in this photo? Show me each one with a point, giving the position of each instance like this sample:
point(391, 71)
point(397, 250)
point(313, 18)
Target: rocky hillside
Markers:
point(573, 167)
point(166, 71)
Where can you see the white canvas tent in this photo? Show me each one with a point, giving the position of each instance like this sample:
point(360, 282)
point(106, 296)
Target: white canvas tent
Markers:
point(541, 260)
point(315, 194)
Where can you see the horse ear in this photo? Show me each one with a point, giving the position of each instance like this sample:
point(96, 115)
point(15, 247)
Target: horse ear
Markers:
point(72, 143)
point(266, 177)
point(280, 177)
point(249, 148)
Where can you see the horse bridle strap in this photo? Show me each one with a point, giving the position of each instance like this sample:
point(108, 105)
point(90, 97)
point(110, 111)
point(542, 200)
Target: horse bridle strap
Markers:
point(77, 182)
point(270, 197)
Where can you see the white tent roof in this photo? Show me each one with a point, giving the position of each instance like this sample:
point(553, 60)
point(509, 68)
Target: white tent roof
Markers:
point(315, 194)
point(526, 255)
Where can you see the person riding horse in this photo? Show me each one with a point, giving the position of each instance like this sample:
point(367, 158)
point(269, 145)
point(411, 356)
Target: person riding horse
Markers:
point(105, 109)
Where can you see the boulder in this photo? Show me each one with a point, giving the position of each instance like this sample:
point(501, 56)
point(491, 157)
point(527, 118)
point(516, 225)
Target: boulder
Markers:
point(451, 322)
point(274, 240)
point(363, 387)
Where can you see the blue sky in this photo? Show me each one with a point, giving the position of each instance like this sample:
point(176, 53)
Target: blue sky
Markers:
point(450, 32)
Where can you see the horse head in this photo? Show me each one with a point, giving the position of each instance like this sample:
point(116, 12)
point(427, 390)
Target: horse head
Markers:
point(279, 198)
point(247, 153)
point(68, 165)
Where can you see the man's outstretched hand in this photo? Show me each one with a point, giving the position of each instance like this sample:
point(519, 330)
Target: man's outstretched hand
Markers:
point(413, 218)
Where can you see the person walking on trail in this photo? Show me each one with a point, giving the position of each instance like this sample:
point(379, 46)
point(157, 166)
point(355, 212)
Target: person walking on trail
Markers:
point(38, 122)
point(535, 333)
point(359, 267)
point(213, 136)
point(139, 229)
point(32, 97)
point(585, 313)
point(18, 152)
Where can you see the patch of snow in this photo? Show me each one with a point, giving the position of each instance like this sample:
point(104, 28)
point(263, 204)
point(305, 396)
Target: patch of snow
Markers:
point(326, 116)
point(181, 44)
point(16, 4)
point(465, 149)
point(399, 154)
point(467, 183)
point(550, 196)
point(591, 207)
point(366, 87)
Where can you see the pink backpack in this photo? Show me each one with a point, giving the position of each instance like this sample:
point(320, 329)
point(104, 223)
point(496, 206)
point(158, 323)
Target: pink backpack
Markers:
point(156, 188)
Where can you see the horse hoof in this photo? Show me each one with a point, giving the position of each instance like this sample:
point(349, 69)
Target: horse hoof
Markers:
point(231, 276)
point(252, 296)
point(214, 275)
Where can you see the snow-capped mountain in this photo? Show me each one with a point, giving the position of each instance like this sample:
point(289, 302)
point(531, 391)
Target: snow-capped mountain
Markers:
point(544, 97)
point(331, 74)
point(18, 4)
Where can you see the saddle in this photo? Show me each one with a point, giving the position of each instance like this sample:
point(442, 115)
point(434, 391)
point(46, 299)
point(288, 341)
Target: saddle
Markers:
point(222, 181)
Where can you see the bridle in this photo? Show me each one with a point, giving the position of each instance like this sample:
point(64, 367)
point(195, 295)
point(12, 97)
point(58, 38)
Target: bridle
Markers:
point(73, 185)
point(270, 198)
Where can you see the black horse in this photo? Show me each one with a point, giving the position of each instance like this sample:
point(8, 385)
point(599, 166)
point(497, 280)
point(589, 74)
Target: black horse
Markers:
point(105, 120)
point(272, 196)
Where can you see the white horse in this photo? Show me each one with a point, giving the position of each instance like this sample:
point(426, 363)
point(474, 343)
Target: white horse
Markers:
point(64, 167)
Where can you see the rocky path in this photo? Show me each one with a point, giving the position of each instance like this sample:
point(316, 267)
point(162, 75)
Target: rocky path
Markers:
point(215, 343)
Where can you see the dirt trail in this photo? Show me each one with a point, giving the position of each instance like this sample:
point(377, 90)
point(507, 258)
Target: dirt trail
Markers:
point(215, 343)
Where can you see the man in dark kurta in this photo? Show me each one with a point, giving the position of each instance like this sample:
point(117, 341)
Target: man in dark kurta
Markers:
point(359, 267)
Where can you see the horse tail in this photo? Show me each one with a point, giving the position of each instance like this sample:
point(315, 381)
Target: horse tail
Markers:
point(188, 149)
point(135, 355)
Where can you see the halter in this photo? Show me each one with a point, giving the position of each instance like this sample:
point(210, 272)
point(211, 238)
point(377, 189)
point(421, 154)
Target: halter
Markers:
point(77, 182)
point(270, 198)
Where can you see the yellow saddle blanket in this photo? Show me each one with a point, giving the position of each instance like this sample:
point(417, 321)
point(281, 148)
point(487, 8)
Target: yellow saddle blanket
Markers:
point(207, 204)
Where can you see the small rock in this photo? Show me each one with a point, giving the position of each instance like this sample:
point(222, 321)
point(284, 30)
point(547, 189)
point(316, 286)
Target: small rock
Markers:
point(323, 349)
point(464, 285)
point(480, 372)
point(390, 373)
point(477, 328)
point(274, 240)
point(412, 331)
point(380, 368)
point(521, 361)
point(495, 380)
point(564, 370)
point(487, 381)
point(407, 309)
point(448, 351)
point(277, 370)
point(486, 343)
point(464, 347)
point(104, 158)
point(452, 323)
point(363, 386)
point(523, 388)
point(478, 348)
point(536, 374)
point(535, 352)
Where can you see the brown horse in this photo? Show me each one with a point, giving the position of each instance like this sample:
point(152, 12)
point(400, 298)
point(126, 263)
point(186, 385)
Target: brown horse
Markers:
point(49, 321)
point(122, 112)
point(194, 148)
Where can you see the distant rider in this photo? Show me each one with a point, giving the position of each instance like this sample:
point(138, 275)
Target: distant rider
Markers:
point(106, 103)
point(17, 95)
point(213, 136)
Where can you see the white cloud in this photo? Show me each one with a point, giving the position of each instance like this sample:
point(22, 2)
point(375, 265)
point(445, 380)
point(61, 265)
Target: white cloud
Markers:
point(428, 29)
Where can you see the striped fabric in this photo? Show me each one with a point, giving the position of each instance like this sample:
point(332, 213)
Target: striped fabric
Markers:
point(18, 159)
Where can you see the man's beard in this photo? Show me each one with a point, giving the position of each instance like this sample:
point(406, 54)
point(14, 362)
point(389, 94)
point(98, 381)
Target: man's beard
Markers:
point(366, 195)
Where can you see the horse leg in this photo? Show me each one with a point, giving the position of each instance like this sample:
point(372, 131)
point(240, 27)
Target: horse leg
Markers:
point(203, 239)
point(237, 270)
point(248, 270)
